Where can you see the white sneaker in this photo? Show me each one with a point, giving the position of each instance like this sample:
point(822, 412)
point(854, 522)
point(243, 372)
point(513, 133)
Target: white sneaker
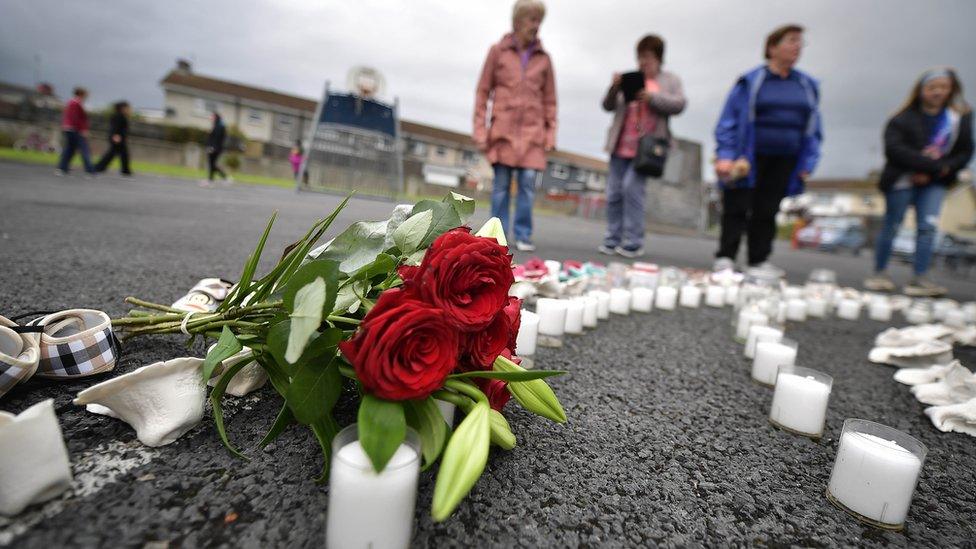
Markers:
point(524, 246)
point(723, 264)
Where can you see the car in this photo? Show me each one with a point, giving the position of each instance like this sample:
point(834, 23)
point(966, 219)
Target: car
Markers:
point(851, 239)
point(946, 245)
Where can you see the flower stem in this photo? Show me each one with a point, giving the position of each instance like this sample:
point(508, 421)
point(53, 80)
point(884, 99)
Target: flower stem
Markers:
point(345, 319)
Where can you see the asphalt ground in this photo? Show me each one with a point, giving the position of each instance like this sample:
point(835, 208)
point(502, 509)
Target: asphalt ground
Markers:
point(667, 442)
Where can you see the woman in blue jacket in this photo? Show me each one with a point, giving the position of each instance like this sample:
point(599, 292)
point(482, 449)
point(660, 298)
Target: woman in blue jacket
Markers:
point(767, 143)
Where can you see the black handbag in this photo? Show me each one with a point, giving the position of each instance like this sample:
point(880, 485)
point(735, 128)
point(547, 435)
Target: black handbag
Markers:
point(652, 154)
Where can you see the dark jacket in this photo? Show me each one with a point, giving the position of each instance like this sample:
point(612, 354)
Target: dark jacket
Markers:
point(907, 134)
point(215, 141)
point(118, 125)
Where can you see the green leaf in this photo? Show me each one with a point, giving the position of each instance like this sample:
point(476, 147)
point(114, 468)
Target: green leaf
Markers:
point(305, 318)
point(347, 299)
point(242, 289)
point(382, 428)
point(535, 396)
point(278, 341)
point(320, 268)
point(227, 346)
point(463, 462)
point(277, 375)
point(357, 246)
point(493, 229)
point(525, 375)
point(218, 413)
point(317, 383)
point(325, 430)
point(445, 218)
point(463, 205)
point(408, 236)
point(415, 258)
point(501, 432)
point(284, 419)
point(425, 417)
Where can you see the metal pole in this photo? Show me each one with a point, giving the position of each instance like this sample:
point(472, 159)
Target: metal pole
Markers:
point(398, 145)
point(311, 137)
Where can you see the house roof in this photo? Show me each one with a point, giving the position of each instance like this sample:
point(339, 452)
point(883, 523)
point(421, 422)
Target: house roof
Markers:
point(416, 128)
point(579, 160)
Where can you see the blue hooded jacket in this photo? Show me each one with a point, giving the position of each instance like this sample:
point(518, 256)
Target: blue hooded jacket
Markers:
point(735, 131)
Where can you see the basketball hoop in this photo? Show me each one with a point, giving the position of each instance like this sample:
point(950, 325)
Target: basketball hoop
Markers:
point(366, 82)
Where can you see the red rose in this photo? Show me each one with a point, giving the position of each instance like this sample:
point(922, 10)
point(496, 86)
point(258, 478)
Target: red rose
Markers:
point(404, 348)
point(497, 392)
point(480, 349)
point(465, 275)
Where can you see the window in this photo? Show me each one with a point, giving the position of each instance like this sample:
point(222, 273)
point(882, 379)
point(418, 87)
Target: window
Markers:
point(559, 171)
point(170, 112)
point(581, 176)
point(203, 107)
point(468, 157)
point(285, 122)
point(255, 116)
point(418, 148)
point(441, 152)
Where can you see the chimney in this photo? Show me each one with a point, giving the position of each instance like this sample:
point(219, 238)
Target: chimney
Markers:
point(183, 66)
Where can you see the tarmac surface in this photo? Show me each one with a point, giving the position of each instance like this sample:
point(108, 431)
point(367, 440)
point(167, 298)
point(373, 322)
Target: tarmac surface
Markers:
point(667, 442)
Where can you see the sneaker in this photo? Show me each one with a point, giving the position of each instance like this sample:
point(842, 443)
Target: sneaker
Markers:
point(723, 264)
point(880, 282)
point(923, 287)
point(205, 183)
point(60, 173)
point(630, 252)
point(524, 246)
point(606, 250)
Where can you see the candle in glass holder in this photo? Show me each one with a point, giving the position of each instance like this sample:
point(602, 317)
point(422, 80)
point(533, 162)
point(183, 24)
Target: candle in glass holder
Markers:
point(715, 296)
point(748, 318)
point(800, 400)
point(366, 508)
point(552, 321)
point(969, 311)
point(918, 313)
point(816, 307)
point(875, 473)
point(770, 355)
point(760, 333)
point(574, 317)
point(620, 301)
point(792, 292)
point(955, 318)
point(602, 304)
point(642, 299)
point(590, 306)
point(553, 267)
point(796, 310)
point(731, 294)
point(528, 332)
point(879, 309)
point(849, 309)
point(666, 298)
point(691, 296)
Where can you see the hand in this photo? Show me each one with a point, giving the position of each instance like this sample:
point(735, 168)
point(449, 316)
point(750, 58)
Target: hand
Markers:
point(116, 138)
point(932, 152)
point(804, 176)
point(921, 179)
point(723, 169)
point(616, 80)
point(644, 96)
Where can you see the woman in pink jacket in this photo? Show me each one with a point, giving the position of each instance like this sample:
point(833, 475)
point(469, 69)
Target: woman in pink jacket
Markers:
point(518, 79)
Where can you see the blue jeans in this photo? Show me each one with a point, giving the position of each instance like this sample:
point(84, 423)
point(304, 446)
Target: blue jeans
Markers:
point(500, 199)
point(626, 195)
point(75, 141)
point(928, 203)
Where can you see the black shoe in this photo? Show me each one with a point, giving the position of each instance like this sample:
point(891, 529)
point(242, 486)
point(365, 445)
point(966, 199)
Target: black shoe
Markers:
point(606, 250)
point(630, 252)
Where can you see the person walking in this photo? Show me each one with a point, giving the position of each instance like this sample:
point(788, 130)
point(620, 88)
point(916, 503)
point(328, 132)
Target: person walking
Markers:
point(215, 146)
point(518, 79)
point(118, 140)
point(647, 113)
point(768, 141)
point(295, 157)
point(74, 125)
point(926, 142)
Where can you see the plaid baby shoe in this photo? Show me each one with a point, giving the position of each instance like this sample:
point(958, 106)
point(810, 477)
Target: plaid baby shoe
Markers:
point(76, 343)
point(19, 353)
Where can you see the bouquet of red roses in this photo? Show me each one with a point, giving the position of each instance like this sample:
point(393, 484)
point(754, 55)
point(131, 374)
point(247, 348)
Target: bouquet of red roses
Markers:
point(413, 310)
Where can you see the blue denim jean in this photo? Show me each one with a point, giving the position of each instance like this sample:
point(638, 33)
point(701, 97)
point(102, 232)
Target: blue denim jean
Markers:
point(626, 196)
point(927, 201)
point(75, 141)
point(501, 199)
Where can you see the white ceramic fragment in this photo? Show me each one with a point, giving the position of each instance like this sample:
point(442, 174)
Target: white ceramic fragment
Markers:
point(904, 337)
point(930, 374)
point(958, 385)
point(160, 401)
point(918, 355)
point(34, 464)
point(965, 336)
point(250, 378)
point(960, 418)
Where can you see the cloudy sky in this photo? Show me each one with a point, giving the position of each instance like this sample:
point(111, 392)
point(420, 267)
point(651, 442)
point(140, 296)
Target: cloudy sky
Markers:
point(866, 53)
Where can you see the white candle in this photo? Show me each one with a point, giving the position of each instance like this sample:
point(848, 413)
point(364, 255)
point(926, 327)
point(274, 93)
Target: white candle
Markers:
point(770, 355)
point(875, 476)
point(731, 294)
point(447, 411)
point(590, 306)
point(817, 307)
point(955, 318)
point(747, 319)
point(969, 310)
point(574, 317)
point(620, 301)
point(796, 310)
point(369, 509)
point(792, 292)
point(665, 298)
point(849, 309)
point(602, 304)
point(940, 308)
point(553, 267)
point(552, 316)
point(691, 296)
point(525, 341)
point(642, 299)
point(880, 309)
point(715, 296)
point(800, 403)
point(918, 315)
point(781, 313)
point(760, 333)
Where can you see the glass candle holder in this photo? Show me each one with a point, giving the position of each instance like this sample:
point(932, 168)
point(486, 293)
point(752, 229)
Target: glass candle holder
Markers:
point(525, 341)
point(759, 333)
point(574, 316)
point(691, 296)
point(747, 318)
point(620, 301)
point(919, 312)
point(770, 356)
point(666, 298)
point(800, 400)
point(875, 473)
point(590, 306)
point(761, 290)
point(642, 299)
point(715, 296)
point(880, 309)
point(602, 304)
point(366, 508)
point(955, 318)
point(552, 321)
point(849, 309)
point(796, 310)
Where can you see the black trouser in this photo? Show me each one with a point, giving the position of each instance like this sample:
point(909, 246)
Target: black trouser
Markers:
point(212, 161)
point(120, 149)
point(753, 211)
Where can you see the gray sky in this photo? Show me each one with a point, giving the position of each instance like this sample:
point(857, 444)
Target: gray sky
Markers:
point(865, 53)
